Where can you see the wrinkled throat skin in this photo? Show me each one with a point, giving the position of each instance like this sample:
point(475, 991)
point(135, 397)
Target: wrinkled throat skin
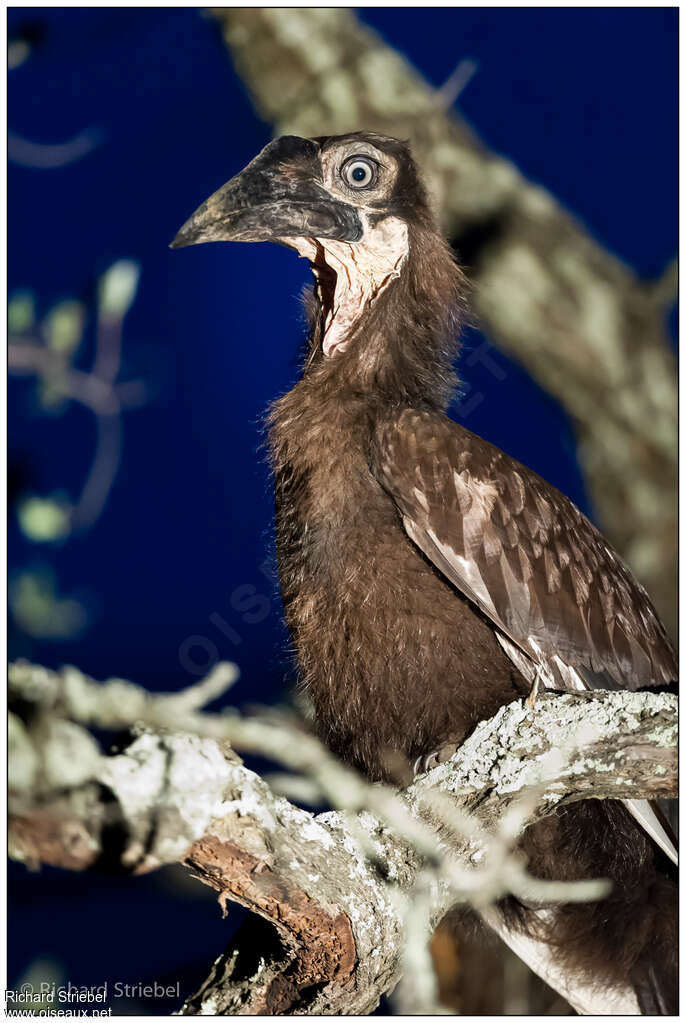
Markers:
point(350, 276)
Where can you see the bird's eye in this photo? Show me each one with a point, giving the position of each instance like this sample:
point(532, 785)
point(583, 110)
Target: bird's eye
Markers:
point(358, 172)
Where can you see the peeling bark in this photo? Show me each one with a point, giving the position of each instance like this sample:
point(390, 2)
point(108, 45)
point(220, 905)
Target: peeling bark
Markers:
point(318, 942)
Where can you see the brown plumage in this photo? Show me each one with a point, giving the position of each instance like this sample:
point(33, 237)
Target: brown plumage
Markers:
point(522, 552)
point(426, 576)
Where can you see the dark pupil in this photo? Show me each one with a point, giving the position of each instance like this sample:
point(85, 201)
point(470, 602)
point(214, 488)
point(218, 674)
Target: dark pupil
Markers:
point(359, 173)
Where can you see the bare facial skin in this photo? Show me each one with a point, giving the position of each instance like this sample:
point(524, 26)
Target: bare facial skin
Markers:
point(350, 275)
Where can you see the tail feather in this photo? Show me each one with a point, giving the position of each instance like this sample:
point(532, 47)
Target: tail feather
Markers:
point(624, 945)
point(656, 990)
point(587, 998)
point(653, 821)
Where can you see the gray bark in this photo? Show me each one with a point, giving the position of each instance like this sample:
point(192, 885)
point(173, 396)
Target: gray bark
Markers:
point(339, 887)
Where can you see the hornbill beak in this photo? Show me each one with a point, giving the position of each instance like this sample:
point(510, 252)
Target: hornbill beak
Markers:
point(279, 195)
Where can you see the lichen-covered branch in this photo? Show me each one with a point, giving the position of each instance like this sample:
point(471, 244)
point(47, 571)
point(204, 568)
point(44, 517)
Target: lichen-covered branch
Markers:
point(343, 889)
point(579, 320)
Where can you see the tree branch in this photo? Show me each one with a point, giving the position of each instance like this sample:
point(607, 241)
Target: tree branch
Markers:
point(577, 318)
point(340, 887)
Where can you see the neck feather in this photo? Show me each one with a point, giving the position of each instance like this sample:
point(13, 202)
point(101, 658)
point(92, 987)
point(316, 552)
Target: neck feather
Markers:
point(397, 336)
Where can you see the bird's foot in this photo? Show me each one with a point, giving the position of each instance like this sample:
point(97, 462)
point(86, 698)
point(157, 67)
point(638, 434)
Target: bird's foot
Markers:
point(433, 759)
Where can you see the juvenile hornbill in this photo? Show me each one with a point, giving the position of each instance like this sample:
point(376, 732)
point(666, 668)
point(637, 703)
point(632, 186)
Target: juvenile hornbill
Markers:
point(427, 577)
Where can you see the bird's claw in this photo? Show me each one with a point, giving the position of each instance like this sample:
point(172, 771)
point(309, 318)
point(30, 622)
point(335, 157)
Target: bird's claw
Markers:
point(530, 701)
point(430, 760)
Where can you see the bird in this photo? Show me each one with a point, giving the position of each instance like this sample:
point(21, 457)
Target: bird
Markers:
point(427, 577)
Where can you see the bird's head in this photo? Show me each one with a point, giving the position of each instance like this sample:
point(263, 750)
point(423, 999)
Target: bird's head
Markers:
point(387, 290)
point(348, 203)
point(327, 189)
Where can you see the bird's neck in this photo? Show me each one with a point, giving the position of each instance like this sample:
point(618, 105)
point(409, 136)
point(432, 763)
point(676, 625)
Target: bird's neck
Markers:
point(397, 352)
point(385, 317)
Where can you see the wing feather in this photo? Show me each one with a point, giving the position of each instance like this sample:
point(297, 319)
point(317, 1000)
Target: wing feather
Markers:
point(522, 551)
point(559, 597)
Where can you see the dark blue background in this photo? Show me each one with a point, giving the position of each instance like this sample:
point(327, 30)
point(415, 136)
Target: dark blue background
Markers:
point(582, 100)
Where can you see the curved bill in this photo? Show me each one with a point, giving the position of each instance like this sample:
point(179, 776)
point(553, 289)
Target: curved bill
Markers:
point(279, 195)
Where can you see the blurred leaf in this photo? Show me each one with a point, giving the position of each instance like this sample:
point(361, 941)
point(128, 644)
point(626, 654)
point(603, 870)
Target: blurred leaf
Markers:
point(40, 612)
point(43, 519)
point(53, 393)
point(118, 289)
point(64, 326)
point(38, 986)
point(18, 51)
point(21, 313)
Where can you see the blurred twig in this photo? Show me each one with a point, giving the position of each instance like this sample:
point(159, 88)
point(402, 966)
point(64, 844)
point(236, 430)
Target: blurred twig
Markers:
point(47, 352)
point(46, 156)
point(455, 85)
